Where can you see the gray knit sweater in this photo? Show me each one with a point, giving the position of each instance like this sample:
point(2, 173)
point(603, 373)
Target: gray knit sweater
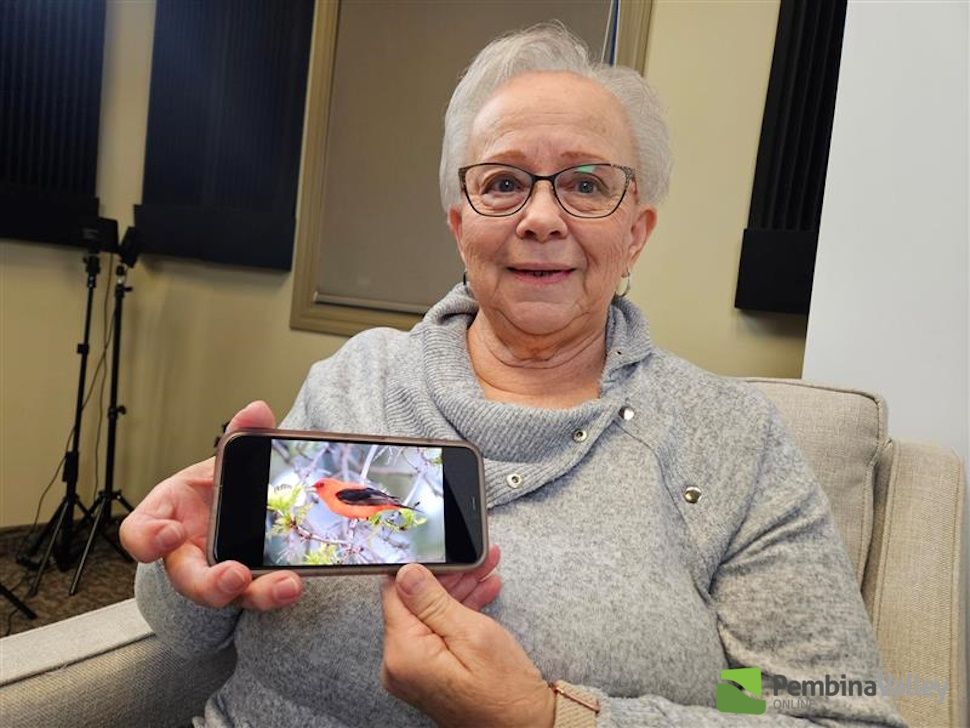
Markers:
point(612, 579)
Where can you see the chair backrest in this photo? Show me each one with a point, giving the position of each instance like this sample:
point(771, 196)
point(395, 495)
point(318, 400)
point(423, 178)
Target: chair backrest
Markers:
point(899, 508)
point(842, 434)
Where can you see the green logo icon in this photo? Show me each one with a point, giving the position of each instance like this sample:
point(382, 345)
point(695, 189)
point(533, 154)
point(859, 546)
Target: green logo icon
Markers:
point(731, 699)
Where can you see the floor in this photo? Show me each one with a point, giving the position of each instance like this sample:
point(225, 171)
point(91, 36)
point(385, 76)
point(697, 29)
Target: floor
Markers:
point(106, 579)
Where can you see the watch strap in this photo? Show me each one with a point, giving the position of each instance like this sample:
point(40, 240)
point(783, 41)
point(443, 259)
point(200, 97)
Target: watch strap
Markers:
point(575, 708)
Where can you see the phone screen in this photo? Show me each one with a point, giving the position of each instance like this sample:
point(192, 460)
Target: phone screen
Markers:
point(311, 503)
point(349, 504)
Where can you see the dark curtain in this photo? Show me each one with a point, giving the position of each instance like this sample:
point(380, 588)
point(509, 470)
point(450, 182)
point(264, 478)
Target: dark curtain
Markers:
point(225, 126)
point(51, 55)
point(778, 249)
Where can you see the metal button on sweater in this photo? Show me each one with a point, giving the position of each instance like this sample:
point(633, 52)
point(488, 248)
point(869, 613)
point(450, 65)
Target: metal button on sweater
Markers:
point(514, 480)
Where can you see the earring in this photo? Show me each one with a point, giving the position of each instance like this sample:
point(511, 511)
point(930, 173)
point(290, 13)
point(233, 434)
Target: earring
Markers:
point(464, 282)
point(626, 288)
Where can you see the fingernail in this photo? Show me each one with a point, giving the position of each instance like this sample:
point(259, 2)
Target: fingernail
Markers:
point(169, 537)
point(286, 589)
point(232, 581)
point(412, 579)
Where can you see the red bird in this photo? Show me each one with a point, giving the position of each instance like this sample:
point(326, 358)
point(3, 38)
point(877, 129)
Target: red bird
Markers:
point(354, 500)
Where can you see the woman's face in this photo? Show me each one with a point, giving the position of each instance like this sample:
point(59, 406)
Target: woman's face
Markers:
point(545, 122)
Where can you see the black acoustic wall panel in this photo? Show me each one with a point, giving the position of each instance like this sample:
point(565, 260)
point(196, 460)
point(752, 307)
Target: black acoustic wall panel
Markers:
point(225, 124)
point(778, 249)
point(51, 55)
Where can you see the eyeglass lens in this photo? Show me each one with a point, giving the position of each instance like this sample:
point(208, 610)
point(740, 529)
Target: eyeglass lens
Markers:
point(589, 190)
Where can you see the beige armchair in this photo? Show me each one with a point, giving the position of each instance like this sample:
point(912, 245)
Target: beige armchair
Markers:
point(898, 505)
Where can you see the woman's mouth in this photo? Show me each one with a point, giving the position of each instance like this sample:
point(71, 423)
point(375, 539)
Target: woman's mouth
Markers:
point(541, 276)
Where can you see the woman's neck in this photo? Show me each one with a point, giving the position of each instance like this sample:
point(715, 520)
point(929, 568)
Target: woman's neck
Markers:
point(555, 372)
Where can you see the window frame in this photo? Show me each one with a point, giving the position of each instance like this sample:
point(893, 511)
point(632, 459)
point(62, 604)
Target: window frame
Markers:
point(346, 320)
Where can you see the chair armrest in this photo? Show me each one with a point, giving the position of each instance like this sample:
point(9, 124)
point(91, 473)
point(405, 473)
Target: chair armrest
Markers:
point(913, 584)
point(104, 667)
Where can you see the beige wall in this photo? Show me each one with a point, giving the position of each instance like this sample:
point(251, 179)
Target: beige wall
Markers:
point(200, 341)
point(710, 63)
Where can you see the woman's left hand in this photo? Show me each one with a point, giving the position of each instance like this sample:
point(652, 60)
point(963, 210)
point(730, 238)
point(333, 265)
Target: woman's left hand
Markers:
point(454, 664)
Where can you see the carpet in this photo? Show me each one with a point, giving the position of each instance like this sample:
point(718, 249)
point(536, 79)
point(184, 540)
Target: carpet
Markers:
point(106, 579)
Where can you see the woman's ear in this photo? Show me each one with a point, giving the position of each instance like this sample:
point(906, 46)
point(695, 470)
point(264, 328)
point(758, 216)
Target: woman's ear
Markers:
point(643, 226)
point(454, 224)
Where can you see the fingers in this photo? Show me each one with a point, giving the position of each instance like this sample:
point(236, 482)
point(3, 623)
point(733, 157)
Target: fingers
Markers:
point(484, 593)
point(430, 602)
point(197, 473)
point(213, 586)
point(272, 591)
point(217, 586)
point(397, 617)
point(477, 594)
point(255, 414)
point(148, 538)
point(460, 586)
point(157, 525)
point(229, 581)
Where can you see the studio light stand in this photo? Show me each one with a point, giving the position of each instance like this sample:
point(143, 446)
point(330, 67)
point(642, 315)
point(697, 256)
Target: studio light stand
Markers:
point(101, 507)
point(100, 234)
point(12, 598)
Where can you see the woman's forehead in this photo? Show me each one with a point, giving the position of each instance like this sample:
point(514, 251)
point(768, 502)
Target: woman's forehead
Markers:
point(558, 113)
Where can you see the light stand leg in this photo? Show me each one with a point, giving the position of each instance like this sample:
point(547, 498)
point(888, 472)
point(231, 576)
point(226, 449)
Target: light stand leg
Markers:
point(60, 529)
point(12, 598)
point(58, 522)
point(108, 495)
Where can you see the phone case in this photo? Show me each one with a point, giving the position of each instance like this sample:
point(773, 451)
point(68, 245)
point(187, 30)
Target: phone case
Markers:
point(358, 438)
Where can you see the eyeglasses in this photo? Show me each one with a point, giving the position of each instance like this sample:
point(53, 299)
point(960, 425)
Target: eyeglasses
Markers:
point(587, 190)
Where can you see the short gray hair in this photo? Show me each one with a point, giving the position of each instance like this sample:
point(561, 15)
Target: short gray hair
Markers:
point(551, 47)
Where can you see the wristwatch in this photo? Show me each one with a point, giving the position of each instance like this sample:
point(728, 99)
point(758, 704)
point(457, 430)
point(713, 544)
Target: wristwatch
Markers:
point(575, 708)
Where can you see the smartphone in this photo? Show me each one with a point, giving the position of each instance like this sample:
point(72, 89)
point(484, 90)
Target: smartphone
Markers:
point(323, 503)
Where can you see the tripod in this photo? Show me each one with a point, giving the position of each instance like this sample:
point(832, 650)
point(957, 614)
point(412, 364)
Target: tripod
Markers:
point(101, 507)
point(61, 524)
point(12, 598)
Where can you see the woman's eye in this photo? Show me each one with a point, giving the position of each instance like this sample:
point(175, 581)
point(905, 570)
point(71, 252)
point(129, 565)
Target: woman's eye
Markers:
point(586, 186)
point(502, 185)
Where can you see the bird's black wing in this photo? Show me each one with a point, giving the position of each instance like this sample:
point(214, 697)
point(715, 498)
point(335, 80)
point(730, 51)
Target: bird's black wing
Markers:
point(366, 497)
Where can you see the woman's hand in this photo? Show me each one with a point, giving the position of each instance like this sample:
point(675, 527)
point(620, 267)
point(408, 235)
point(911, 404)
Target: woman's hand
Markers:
point(172, 523)
point(457, 666)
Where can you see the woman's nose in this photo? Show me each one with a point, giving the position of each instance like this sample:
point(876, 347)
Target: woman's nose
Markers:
point(543, 217)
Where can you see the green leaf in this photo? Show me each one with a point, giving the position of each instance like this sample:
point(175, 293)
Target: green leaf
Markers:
point(282, 500)
point(300, 514)
point(281, 525)
point(322, 556)
point(410, 519)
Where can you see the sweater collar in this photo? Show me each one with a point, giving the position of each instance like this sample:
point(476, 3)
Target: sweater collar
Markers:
point(537, 444)
point(627, 336)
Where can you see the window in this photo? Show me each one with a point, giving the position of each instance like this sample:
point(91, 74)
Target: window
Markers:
point(373, 247)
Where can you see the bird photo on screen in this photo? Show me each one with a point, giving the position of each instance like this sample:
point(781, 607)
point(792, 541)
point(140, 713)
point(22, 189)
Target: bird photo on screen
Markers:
point(355, 500)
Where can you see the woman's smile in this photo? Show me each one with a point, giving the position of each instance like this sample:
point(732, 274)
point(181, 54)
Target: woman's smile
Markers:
point(540, 275)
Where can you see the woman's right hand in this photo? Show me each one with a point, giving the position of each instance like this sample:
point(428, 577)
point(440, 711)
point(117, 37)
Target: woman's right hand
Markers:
point(172, 523)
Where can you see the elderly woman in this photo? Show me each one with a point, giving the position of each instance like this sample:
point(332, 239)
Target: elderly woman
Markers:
point(656, 523)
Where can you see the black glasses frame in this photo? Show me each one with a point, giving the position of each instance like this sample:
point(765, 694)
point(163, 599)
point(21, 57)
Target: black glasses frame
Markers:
point(551, 179)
